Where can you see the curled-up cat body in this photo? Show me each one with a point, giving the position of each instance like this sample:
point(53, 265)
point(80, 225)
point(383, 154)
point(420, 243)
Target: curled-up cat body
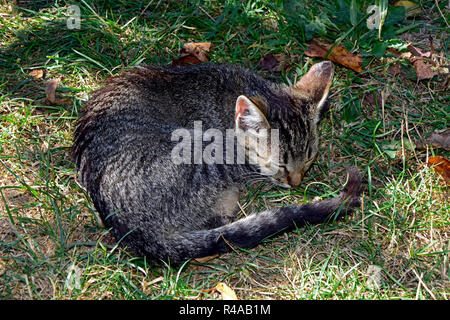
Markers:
point(164, 151)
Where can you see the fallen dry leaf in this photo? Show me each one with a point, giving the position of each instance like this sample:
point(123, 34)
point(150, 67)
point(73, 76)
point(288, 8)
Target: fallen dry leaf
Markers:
point(268, 62)
point(273, 63)
point(226, 291)
point(50, 92)
point(193, 53)
point(424, 64)
point(438, 139)
point(37, 74)
point(423, 69)
point(441, 165)
point(403, 55)
point(417, 52)
point(338, 55)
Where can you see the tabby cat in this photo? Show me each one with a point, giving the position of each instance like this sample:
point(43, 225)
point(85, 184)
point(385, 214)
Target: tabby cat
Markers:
point(171, 211)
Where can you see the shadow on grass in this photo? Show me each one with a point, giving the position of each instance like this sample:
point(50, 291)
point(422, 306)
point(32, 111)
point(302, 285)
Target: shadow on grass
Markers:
point(116, 35)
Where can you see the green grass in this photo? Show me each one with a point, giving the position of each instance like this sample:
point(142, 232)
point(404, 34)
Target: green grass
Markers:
point(48, 225)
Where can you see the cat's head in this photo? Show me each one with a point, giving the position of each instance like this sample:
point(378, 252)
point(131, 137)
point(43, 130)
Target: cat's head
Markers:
point(280, 134)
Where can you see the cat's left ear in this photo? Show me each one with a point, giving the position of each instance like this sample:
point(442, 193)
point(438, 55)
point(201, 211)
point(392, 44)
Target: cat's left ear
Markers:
point(249, 116)
point(315, 85)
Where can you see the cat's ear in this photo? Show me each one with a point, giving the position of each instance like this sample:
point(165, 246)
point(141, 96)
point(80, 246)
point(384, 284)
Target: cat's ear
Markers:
point(249, 116)
point(315, 85)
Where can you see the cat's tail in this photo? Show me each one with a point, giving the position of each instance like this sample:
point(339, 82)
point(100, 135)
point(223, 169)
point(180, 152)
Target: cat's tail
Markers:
point(250, 231)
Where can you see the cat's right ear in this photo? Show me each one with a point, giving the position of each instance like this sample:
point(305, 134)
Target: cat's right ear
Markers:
point(315, 85)
point(249, 116)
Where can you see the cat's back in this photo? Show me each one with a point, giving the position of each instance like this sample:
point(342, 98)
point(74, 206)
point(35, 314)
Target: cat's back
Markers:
point(155, 100)
point(134, 114)
point(158, 99)
point(162, 91)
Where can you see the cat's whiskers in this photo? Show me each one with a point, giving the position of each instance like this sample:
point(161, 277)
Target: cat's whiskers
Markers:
point(254, 175)
point(254, 179)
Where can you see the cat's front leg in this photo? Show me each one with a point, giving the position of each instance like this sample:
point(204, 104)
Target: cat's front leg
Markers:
point(227, 204)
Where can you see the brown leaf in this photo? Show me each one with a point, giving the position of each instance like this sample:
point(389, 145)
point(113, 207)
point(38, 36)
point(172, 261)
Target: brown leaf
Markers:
point(274, 63)
point(419, 52)
point(420, 59)
point(37, 74)
point(403, 55)
point(268, 62)
point(186, 61)
point(338, 55)
point(423, 69)
point(442, 166)
point(438, 139)
point(193, 53)
point(421, 62)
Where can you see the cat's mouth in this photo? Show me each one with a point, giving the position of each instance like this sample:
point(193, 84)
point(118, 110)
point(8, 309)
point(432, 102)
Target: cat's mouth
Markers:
point(288, 180)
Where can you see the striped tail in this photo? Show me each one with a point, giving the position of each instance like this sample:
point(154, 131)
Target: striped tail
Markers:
point(250, 231)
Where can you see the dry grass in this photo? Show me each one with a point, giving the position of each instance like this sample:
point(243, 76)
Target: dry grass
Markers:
point(396, 246)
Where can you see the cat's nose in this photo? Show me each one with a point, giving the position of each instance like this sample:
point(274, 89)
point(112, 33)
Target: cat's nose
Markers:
point(295, 178)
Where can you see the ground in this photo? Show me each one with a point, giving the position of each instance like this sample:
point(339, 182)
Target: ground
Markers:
point(396, 246)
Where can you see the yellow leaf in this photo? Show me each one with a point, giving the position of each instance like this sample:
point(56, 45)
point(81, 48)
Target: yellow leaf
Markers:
point(412, 9)
point(226, 291)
